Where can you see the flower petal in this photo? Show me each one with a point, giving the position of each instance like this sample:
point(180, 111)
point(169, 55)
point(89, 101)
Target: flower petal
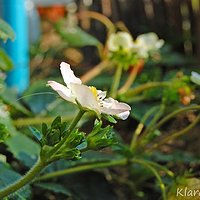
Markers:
point(120, 40)
point(123, 115)
point(147, 42)
point(68, 75)
point(101, 94)
point(113, 107)
point(195, 78)
point(63, 91)
point(85, 97)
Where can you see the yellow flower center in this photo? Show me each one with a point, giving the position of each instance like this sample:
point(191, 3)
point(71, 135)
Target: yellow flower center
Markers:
point(93, 90)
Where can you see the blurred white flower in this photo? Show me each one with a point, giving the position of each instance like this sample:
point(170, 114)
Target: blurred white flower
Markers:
point(88, 97)
point(147, 42)
point(3, 111)
point(195, 78)
point(120, 40)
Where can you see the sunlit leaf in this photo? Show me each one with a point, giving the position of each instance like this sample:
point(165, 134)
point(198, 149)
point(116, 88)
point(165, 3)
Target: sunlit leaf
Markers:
point(76, 37)
point(5, 62)
point(23, 148)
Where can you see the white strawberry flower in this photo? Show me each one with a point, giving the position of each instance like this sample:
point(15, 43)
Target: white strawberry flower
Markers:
point(195, 78)
point(119, 40)
point(147, 42)
point(88, 97)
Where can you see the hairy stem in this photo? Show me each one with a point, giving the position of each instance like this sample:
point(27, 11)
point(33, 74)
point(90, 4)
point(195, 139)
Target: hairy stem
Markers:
point(112, 163)
point(85, 167)
point(176, 134)
point(102, 18)
point(141, 88)
point(173, 114)
point(156, 174)
point(131, 77)
point(167, 118)
point(39, 165)
point(141, 126)
point(147, 132)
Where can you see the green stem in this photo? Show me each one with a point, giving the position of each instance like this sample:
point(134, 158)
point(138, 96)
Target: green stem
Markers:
point(153, 170)
point(141, 126)
point(100, 17)
point(141, 88)
point(132, 99)
point(162, 168)
point(39, 165)
point(132, 77)
point(117, 162)
point(76, 120)
point(155, 119)
point(176, 134)
point(150, 128)
point(86, 167)
point(129, 81)
point(173, 114)
point(116, 81)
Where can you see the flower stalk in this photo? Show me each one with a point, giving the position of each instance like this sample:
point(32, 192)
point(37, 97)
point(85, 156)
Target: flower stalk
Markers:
point(141, 88)
point(101, 18)
point(86, 167)
point(116, 162)
point(175, 135)
point(141, 126)
point(131, 77)
point(173, 114)
point(165, 119)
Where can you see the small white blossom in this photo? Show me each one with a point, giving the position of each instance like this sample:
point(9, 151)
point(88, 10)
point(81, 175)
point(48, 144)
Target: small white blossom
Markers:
point(3, 111)
point(147, 42)
point(120, 40)
point(88, 97)
point(195, 78)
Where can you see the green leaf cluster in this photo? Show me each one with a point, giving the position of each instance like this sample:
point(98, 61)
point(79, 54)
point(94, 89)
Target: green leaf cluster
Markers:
point(6, 32)
point(50, 135)
point(5, 62)
point(124, 58)
point(100, 137)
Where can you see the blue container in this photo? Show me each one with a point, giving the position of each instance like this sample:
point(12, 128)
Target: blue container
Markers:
point(15, 14)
